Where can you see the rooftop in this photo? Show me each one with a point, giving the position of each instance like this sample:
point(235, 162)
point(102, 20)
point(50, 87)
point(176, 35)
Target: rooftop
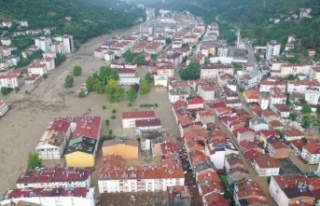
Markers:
point(87, 126)
point(265, 161)
point(148, 122)
point(138, 115)
point(37, 192)
point(50, 175)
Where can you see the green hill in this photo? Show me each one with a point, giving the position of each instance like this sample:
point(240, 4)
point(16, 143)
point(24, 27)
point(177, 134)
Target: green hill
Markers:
point(88, 19)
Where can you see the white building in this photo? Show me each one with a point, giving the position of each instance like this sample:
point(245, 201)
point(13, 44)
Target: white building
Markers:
point(264, 101)
point(59, 177)
point(273, 49)
point(23, 23)
point(222, 51)
point(147, 124)
point(68, 43)
point(302, 86)
point(291, 189)
point(311, 153)
point(5, 41)
point(129, 118)
point(53, 197)
point(206, 92)
point(37, 68)
point(268, 84)
point(9, 80)
point(312, 96)
point(54, 140)
point(43, 43)
point(212, 71)
point(3, 108)
point(49, 62)
point(258, 124)
point(160, 80)
point(178, 94)
point(121, 178)
point(266, 166)
point(218, 153)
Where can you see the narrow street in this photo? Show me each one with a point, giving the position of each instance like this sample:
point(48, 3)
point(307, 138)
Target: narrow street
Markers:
point(190, 181)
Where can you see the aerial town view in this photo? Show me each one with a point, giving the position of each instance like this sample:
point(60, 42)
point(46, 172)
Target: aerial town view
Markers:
point(160, 103)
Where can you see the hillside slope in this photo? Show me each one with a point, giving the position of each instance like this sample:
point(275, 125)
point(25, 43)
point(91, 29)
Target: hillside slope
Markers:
point(88, 20)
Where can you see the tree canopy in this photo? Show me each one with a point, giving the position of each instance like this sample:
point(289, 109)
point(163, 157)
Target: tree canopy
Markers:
point(77, 71)
point(68, 82)
point(191, 72)
point(131, 94)
point(144, 87)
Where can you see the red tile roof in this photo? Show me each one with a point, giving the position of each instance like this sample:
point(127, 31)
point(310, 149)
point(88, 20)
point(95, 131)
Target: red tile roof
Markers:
point(37, 192)
point(312, 148)
point(87, 126)
point(148, 122)
point(138, 114)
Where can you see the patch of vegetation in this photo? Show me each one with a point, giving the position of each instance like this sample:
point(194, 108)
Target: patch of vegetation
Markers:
point(191, 72)
point(68, 82)
point(34, 161)
point(149, 105)
point(6, 90)
point(88, 20)
point(77, 71)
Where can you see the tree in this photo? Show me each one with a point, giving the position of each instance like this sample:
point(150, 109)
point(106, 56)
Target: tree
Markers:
point(280, 133)
point(148, 77)
point(306, 109)
point(68, 82)
point(33, 161)
point(306, 122)
point(115, 93)
point(82, 94)
point(241, 89)
point(131, 94)
point(59, 59)
point(144, 87)
point(107, 122)
point(45, 76)
point(191, 72)
point(293, 116)
point(17, 89)
point(77, 71)
point(139, 60)
point(154, 56)
point(6, 90)
point(168, 40)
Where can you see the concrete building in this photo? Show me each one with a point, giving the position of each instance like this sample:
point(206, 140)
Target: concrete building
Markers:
point(212, 71)
point(206, 92)
point(53, 197)
point(312, 96)
point(129, 118)
point(160, 81)
point(43, 43)
point(311, 153)
point(147, 125)
point(83, 143)
point(266, 165)
point(248, 192)
point(3, 108)
point(37, 68)
point(59, 177)
point(293, 189)
point(54, 140)
point(9, 80)
point(127, 149)
point(115, 176)
point(273, 49)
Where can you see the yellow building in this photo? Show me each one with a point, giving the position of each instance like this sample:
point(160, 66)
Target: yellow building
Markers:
point(81, 152)
point(127, 149)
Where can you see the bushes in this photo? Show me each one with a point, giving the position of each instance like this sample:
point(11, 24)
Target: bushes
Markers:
point(6, 90)
point(149, 105)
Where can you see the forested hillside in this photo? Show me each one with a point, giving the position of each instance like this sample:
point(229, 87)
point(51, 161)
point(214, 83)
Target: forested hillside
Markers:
point(88, 20)
point(254, 18)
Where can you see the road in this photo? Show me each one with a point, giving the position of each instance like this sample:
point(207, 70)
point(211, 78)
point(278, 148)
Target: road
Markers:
point(253, 175)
